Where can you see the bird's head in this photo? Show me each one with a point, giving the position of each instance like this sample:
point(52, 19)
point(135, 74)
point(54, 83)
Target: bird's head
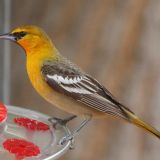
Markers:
point(28, 37)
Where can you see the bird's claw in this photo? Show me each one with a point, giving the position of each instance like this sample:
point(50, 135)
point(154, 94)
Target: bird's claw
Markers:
point(62, 122)
point(56, 121)
point(65, 139)
point(71, 135)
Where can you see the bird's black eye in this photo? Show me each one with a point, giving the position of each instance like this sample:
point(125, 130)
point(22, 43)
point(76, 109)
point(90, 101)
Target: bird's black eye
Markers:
point(19, 35)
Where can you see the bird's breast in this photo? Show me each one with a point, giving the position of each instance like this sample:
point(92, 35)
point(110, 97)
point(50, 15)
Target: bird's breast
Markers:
point(36, 78)
point(59, 100)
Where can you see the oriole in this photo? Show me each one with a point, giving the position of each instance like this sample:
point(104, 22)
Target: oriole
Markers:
point(65, 85)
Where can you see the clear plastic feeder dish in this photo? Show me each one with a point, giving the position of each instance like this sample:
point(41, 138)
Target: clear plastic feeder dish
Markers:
point(44, 140)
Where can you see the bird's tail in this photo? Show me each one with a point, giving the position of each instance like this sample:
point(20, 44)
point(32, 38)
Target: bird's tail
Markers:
point(138, 122)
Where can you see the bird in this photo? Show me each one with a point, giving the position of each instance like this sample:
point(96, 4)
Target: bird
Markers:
point(66, 86)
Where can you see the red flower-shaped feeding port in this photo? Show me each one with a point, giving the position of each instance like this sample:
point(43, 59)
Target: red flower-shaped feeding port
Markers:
point(31, 124)
point(3, 112)
point(21, 148)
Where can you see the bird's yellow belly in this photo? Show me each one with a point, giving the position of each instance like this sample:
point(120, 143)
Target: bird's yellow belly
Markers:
point(59, 100)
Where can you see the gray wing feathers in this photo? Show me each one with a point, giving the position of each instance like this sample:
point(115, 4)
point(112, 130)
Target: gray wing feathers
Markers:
point(71, 82)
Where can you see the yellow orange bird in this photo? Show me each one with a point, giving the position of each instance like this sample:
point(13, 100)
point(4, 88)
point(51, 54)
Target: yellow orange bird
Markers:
point(65, 85)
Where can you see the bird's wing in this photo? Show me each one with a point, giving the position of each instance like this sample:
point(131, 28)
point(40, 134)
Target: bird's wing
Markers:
point(68, 80)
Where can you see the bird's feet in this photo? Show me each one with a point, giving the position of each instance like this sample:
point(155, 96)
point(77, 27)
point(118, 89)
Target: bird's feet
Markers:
point(67, 138)
point(62, 122)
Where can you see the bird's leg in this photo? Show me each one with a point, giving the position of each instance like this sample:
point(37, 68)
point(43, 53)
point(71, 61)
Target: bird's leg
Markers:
point(57, 121)
point(76, 131)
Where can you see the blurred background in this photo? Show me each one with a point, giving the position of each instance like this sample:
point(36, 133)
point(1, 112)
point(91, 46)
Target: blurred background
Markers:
point(116, 41)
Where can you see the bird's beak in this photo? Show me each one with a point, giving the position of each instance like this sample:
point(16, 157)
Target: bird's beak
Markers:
point(8, 36)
